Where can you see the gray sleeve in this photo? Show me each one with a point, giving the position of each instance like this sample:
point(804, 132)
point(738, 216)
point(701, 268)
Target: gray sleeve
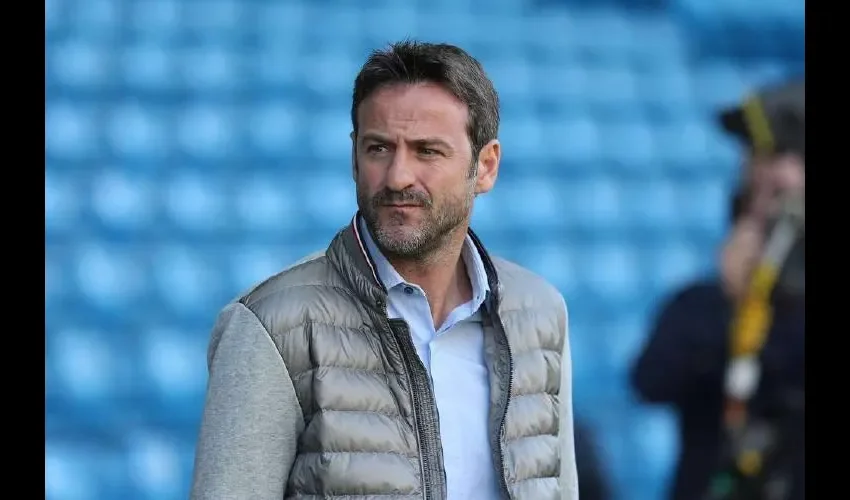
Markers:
point(569, 474)
point(252, 418)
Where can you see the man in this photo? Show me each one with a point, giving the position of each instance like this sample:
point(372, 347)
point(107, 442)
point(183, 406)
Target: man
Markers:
point(403, 362)
point(686, 362)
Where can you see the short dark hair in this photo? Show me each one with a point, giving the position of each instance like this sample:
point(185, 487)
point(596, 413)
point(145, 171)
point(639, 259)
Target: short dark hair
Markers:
point(446, 65)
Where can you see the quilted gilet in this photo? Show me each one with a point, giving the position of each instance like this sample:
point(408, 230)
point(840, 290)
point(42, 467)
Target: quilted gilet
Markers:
point(371, 423)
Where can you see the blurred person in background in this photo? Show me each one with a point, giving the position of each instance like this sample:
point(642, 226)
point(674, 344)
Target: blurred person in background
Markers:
point(403, 362)
point(728, 353)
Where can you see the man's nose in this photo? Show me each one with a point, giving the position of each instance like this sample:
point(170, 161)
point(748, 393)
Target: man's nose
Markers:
point(400, 174)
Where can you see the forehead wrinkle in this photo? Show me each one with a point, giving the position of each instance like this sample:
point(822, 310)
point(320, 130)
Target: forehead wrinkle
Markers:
point(403, 103)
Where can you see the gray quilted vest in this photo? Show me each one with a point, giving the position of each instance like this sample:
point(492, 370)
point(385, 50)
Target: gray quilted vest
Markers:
point(371, 422)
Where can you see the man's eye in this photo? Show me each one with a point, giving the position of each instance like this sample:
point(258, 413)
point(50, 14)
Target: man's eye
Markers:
point(428, 152)
point(376, 148)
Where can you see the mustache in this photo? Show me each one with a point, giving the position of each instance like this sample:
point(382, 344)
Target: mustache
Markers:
point(407, 197)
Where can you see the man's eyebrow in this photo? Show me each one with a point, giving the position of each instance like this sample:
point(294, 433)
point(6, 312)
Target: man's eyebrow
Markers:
point(421, 141)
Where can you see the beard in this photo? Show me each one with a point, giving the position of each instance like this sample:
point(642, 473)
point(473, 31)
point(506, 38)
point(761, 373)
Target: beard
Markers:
point(399, 235)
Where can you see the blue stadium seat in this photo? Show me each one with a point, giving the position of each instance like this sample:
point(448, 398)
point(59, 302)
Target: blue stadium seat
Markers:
point(283, 21)
point(111, 278)
point(704, 205)
point(387, 23)
point(672, 262)
point(329, 202)
point(559, 87)
point(57, 278)
point(96, 18)
point(187, 282)
point(274, 127)
point(654, 431)
point(622, 337)
point(123, 202)
point(153, 19)
point(63, 202)
point(80, 64)
point(158, 463)
point(213, 69)
point(76, 468)
point(549, 259)
point(95, 374)
point(512, 77)
point(206, 131)
point(612, 270)
point(688, 145)
point(71, 130)
point(720, 84)
point(251, 264)
point(213, 19)
point(745, 31)
point(328, 72)
point(53, 16)
point(593, 202)
point(559, 40)
point(174, 367)
point(587, 23)
point(138, 133)
point(656, 38)
point(665, 91)
point(628, 144)
point(271, 66)
point(522, 140)
point(574, 139)
point(651, 207)
point(329, 135)
point(587, 352)
point(146, 66)
point(611, 90)
point(195, 203)
point(339, 25)
point(267, 204)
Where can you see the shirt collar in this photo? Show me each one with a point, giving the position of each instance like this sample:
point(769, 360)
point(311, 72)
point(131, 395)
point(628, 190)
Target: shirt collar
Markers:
point(391, 279)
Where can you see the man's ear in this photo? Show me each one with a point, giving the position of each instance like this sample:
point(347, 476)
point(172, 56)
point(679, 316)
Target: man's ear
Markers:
point(488, 166)
point(353, 155)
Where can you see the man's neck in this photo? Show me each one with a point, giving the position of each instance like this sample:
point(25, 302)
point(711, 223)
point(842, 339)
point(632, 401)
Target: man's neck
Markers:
point(442, 275)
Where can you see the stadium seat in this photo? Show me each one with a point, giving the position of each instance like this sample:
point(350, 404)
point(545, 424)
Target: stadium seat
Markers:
point(138, 133)
point(174, 367)
point(95, 374)
point(186, 282)
point(78, 467)
point(158, 463)
point(63, 203)
point(70, 130)
point(123, 203)
point(80, 64)
point(109, 277)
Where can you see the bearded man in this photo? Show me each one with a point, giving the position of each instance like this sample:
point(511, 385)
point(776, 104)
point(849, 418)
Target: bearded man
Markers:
point(404, 361)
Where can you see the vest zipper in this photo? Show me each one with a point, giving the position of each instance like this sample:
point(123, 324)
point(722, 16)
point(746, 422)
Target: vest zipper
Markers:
point(424, 413)
point(507, 400)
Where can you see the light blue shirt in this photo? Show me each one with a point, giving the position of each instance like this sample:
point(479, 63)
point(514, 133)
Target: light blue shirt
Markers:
point(453, 354)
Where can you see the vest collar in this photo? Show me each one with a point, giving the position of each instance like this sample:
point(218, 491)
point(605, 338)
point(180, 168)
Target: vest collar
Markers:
point(350, 257)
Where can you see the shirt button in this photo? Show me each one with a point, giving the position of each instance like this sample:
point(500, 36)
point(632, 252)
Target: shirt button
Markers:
point(409, 290)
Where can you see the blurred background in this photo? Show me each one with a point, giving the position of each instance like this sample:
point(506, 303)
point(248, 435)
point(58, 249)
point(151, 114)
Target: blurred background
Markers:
point(194, 147)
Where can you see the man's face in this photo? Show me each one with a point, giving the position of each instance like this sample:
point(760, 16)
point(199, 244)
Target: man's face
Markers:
point(780, 174)
point(414, 169)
